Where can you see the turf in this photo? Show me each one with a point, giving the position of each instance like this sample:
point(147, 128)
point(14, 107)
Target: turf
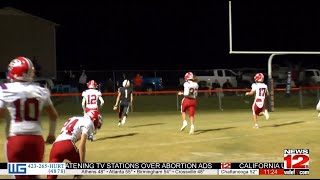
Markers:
point(152, 134)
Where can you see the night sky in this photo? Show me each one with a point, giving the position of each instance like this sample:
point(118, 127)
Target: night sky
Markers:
point(161, 34)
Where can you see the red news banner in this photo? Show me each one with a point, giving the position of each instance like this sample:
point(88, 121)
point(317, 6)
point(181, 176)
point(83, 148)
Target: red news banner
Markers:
point(252, 168)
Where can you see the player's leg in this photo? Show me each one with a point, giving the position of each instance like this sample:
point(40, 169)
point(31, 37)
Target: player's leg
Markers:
point(91, 136)
point(121, 108)
point(255, 110)
point(62, 150)
point(191, 116)
point(266, 114)
point(183, 113)
point(318, 108)
point(14, 149)
point(74, 157)
point(126, 112)
point(55, 156)
point(26, 148)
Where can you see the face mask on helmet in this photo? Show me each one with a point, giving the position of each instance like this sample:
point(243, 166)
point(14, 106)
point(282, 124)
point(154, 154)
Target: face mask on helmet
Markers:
point(21, 69)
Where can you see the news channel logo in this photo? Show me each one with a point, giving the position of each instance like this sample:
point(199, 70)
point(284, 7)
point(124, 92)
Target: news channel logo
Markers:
point(17, 168)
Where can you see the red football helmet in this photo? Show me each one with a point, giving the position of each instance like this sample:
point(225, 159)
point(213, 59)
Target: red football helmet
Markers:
point(188, 75)
point(95, 117)
point(21, 68)
point(92, 84)
point(259, 77)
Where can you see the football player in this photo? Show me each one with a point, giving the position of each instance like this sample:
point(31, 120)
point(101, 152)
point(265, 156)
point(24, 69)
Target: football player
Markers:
point(125, 97)
point(189, 101)
point(260, 89)
point(90, 100)
point(91, 97)
point(24, 101)
point(74, 130)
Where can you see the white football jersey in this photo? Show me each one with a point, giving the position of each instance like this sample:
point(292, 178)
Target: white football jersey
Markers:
point(91, 96)
point(190, 89)
point(75, 127)
point(261, 90)
point(25, 101)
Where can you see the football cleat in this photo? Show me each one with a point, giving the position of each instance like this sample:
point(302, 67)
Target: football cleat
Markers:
point(184, 125)
point(123, 120)
point(256, 126)
point(191, 130)
point(266, 114)
point(119, 124)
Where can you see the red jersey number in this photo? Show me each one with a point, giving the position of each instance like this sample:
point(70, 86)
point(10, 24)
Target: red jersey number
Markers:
point(92, 99)
point(69, 126)
point(30, 105)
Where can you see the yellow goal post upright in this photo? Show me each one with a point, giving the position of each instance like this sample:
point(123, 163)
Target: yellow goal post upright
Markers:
point(272, 55)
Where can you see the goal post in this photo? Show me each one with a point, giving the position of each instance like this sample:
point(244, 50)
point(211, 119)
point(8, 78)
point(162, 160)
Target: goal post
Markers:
point(272, 55)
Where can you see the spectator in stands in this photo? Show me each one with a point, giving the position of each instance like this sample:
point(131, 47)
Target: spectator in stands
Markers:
point(302, 78)
point(138, 82)
point(66, 77)
point(203, 86)
point(215, 85)
point(73, 84)
point(227, 85)
point(120, 80)
point(82, 81)
point(110, 85)
point(295, 73)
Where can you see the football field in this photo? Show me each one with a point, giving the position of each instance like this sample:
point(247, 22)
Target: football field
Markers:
point(220, 136)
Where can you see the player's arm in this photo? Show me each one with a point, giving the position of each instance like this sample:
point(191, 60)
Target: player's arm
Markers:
point(131, 96)
point(4, 114)
point(117, 101)
point(267, 93)
point(101, 99)
point(82, 147)
point(83, 103)
point(53, 116)
point(253, 90)
point(185, 91)
point(250, 93)
point(3, 109)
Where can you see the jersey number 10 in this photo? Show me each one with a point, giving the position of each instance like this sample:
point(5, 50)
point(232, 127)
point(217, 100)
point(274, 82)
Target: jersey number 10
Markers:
point(25, 112)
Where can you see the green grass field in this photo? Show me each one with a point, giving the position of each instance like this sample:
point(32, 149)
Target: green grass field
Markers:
point(153, 135)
